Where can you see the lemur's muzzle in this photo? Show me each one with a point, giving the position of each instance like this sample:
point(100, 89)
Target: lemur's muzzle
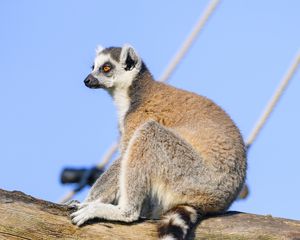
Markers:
point(92, 82)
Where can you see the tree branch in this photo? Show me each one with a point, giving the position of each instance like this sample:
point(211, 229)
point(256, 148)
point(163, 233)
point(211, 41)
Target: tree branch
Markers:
point(25, 217)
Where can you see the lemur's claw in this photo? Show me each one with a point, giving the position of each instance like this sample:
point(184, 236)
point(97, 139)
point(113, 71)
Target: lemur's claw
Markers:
point(73, 204)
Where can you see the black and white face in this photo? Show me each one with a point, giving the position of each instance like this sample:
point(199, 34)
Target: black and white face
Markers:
point(114, 72)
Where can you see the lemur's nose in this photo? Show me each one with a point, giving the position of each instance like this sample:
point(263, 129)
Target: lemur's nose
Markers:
point(87, 80)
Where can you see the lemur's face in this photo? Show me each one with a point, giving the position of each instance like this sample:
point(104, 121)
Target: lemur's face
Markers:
point(114, 68)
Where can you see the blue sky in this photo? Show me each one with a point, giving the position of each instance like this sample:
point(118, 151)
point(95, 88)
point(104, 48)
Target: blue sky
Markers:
point(50, 120)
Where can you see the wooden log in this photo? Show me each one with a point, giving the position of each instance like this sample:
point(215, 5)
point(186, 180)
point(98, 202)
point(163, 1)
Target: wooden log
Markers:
point(25, 217)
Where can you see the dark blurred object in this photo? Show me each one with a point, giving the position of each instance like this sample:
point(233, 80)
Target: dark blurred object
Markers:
point(81, 176)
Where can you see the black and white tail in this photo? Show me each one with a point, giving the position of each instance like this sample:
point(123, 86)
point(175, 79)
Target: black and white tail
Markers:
point(177, 223)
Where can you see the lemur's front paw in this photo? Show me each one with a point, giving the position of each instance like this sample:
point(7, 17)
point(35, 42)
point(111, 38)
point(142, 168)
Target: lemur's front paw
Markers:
point(84, 213)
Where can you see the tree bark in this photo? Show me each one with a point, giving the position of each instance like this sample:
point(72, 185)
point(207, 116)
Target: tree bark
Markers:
point(25, 217)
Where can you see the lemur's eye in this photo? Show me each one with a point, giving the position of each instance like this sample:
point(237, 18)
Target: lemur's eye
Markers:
point(106, 67)
point(92, 67)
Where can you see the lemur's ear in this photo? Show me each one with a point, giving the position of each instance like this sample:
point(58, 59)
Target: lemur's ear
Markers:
point(99, 49)
point(129, 58)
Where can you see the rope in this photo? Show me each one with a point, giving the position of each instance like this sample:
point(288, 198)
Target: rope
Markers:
point(165, 76)
point(268, 110)
point(68, 196)
point(108, 155)
point(273, 101)
point(189, 40)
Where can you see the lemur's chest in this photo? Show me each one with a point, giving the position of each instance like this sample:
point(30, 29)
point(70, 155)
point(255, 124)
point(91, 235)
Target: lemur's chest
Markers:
point(122, 102)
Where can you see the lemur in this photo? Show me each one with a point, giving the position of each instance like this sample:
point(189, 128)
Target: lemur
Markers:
point(181, 155)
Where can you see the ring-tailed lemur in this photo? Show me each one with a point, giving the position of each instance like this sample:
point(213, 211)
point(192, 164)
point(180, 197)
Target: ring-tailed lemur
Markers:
point(181, 154)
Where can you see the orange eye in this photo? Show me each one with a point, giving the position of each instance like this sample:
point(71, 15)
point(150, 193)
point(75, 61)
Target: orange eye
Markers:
point(106, 68)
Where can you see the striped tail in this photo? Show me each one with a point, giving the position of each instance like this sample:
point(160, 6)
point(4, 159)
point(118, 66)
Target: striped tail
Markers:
point(177, 223)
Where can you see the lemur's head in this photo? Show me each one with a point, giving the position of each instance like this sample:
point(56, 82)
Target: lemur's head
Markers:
point(114, 68)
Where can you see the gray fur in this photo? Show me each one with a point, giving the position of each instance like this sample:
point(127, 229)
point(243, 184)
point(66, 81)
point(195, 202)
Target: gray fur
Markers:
point(114, 52)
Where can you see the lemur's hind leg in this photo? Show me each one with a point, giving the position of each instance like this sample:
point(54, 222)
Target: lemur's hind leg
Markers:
point(154, 156)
